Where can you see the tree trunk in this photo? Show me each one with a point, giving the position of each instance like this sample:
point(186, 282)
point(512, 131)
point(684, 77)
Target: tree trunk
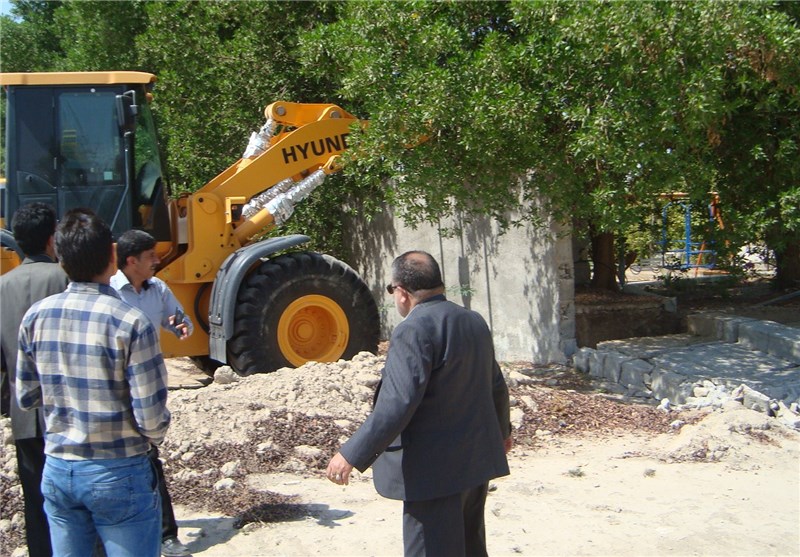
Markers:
point(787, 272)
point(604, 274)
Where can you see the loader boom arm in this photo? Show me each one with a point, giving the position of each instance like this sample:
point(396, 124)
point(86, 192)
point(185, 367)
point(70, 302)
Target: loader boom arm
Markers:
point(290, 156)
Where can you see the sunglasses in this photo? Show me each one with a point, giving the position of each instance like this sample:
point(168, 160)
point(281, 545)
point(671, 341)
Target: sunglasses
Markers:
point(391, 287)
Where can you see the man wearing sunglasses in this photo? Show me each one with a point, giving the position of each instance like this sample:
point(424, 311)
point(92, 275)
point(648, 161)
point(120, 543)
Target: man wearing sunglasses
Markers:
point(440, 427)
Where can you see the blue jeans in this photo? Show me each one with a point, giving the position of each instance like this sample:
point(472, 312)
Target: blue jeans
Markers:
point(115, 498)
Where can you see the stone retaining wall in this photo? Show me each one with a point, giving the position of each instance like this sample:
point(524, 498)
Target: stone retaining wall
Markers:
point(723, 357)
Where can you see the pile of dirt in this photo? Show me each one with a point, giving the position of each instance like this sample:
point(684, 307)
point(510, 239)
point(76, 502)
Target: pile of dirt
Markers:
point(294, 420)
point(732, 435)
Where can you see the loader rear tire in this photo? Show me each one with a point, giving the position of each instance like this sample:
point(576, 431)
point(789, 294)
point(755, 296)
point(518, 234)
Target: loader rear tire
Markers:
point(301, 307)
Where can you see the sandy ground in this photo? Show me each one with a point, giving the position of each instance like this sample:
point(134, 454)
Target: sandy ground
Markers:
point(728, 485)
point(616, 496)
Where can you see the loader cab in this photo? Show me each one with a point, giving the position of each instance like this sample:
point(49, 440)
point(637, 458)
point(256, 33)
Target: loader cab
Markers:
point(85, 139)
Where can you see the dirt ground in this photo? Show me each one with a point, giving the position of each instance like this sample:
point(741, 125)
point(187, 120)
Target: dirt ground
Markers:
point(590, 475)
point(571, 496)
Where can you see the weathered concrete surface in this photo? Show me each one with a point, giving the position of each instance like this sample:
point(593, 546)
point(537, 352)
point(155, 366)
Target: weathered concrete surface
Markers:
point(723, 356)
point(770, 337)
point(520, 281)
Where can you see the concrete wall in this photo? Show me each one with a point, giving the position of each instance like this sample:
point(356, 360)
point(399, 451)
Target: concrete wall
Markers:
point(521, 282)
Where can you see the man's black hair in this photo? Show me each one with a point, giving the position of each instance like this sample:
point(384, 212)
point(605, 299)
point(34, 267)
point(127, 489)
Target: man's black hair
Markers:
point(83, 245)
point(33, 224)
point(416, 270)
point(133, 242)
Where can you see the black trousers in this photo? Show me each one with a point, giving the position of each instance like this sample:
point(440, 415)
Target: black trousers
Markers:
point(169, 527)
point(448, 526)
point(30, 465)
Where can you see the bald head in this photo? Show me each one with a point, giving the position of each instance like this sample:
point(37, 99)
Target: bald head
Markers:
point(417, 272)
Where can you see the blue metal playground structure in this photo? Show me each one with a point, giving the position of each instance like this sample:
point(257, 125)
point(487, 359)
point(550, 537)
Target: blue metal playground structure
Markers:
point(687, 252)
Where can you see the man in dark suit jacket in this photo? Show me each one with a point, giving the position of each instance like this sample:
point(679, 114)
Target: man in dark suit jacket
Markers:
point(36, 278)
point(440, 427)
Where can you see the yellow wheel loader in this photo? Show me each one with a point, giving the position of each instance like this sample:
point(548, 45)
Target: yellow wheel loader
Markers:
point(87, 139)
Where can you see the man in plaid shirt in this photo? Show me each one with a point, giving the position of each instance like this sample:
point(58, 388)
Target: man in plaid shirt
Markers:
point(93, 364)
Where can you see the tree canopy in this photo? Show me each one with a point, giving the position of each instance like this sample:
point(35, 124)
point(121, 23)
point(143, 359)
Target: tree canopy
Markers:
point(593, 108)
point(597, 107)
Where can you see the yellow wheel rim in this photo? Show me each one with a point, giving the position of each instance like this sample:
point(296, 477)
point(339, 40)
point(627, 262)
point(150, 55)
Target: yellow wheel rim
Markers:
point(313, 328)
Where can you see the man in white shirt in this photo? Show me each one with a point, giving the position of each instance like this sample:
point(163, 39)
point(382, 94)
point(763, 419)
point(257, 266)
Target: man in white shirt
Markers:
point(137, 261)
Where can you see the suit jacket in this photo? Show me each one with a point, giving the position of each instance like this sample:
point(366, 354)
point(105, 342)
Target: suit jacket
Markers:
point(36, 278)
point(442, 412)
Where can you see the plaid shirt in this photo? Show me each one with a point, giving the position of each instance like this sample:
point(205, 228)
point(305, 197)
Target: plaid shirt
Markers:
point(94, 364)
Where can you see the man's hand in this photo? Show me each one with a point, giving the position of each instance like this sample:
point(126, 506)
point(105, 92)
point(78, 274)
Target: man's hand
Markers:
point(339, 470)
point(181, 330)
point(508, 443)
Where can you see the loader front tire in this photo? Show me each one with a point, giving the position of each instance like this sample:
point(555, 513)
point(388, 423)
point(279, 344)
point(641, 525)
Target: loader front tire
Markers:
point(205, 364)
point(301, 307)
